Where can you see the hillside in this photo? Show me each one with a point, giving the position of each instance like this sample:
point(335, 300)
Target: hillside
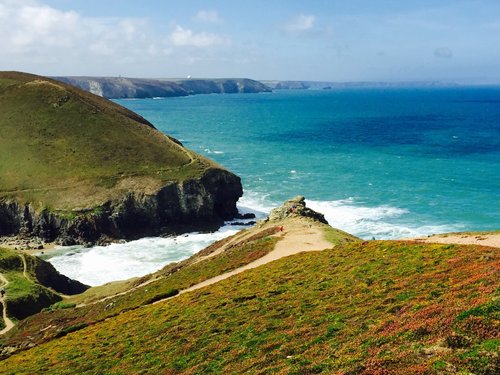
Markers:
point(120, 87)
point(31, 284)
point(373, 307)
point(75, 167)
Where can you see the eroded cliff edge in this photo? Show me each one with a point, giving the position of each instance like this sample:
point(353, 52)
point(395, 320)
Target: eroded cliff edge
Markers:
point(177, 207)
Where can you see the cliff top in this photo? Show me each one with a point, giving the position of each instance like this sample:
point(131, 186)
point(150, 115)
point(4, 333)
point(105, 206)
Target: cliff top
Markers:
point(64, 148)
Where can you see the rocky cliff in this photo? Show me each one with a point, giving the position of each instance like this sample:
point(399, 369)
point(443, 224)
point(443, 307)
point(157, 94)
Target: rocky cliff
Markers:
point(119, 87)
point(176, 207)
point(77, 168)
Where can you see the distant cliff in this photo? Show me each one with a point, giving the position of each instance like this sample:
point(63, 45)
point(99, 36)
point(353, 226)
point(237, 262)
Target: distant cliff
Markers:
point(120, 88)
point(327, 85)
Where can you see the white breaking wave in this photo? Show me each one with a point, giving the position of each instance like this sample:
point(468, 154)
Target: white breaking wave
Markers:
point(101, 264)
point(381, 222)
point(209, 151)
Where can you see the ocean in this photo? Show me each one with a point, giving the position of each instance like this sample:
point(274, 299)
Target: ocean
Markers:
point(382, 163)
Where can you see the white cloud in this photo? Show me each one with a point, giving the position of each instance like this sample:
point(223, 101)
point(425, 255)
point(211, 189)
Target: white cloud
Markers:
point(209, 16)
point(300, 23)
point(27, 25)
point(186, 37)
point(36, 37)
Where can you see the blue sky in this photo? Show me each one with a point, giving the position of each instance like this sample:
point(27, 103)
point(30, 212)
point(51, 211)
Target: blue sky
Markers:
point(351, 40)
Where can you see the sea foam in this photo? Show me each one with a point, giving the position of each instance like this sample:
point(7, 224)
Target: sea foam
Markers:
point(380, 222)
point(101, 264)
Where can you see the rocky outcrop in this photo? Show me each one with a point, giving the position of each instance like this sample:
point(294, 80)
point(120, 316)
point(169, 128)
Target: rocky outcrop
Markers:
point(49, 277)
point(120, 88)
point(177, 207)
point(40, 286)
point(295, 207)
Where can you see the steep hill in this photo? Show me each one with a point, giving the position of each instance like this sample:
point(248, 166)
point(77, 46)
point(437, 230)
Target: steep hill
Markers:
point(76, 167)
point(120, 87)
point(373, 307)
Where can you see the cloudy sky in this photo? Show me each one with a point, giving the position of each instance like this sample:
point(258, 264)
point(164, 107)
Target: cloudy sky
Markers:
point(330, 40)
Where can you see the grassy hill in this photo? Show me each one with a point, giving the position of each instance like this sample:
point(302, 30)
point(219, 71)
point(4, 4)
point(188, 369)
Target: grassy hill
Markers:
point(377, 307)
point(67, 148)
point(66, 151)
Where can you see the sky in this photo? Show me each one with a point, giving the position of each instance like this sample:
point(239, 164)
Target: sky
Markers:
point(322, 40)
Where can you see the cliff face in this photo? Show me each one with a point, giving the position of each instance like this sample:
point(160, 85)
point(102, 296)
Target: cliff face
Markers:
point(120, 88)
point(177, 207)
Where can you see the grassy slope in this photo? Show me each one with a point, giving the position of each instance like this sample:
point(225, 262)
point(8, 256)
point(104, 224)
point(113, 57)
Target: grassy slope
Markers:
point(22, 290)
point(376, 307)
point(55, 138)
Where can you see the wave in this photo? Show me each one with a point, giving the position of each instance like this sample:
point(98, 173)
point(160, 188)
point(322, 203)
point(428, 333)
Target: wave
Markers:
point(209, 151)
point(101, 264)
point(380, 222)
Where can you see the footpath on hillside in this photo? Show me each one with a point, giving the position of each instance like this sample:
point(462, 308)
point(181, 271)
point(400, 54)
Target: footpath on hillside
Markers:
point(4, 282)
point(299, 229)
point(8, 323)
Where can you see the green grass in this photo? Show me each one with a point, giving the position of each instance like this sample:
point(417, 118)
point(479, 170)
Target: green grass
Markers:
point(76, 150)
point(360, 308)
point(338, 237)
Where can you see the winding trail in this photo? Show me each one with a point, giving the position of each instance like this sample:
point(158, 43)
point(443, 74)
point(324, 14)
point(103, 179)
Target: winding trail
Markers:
point(296, 237)
point(8, 323)
point(25, 267)
point(485, 239)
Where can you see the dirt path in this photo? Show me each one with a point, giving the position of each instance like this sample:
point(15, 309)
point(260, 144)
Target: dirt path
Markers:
point(8, 323)
point(25, 267)
point(485, 239)
point(297, 237)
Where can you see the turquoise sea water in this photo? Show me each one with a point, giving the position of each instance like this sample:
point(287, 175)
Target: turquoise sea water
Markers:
point(383, 163)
